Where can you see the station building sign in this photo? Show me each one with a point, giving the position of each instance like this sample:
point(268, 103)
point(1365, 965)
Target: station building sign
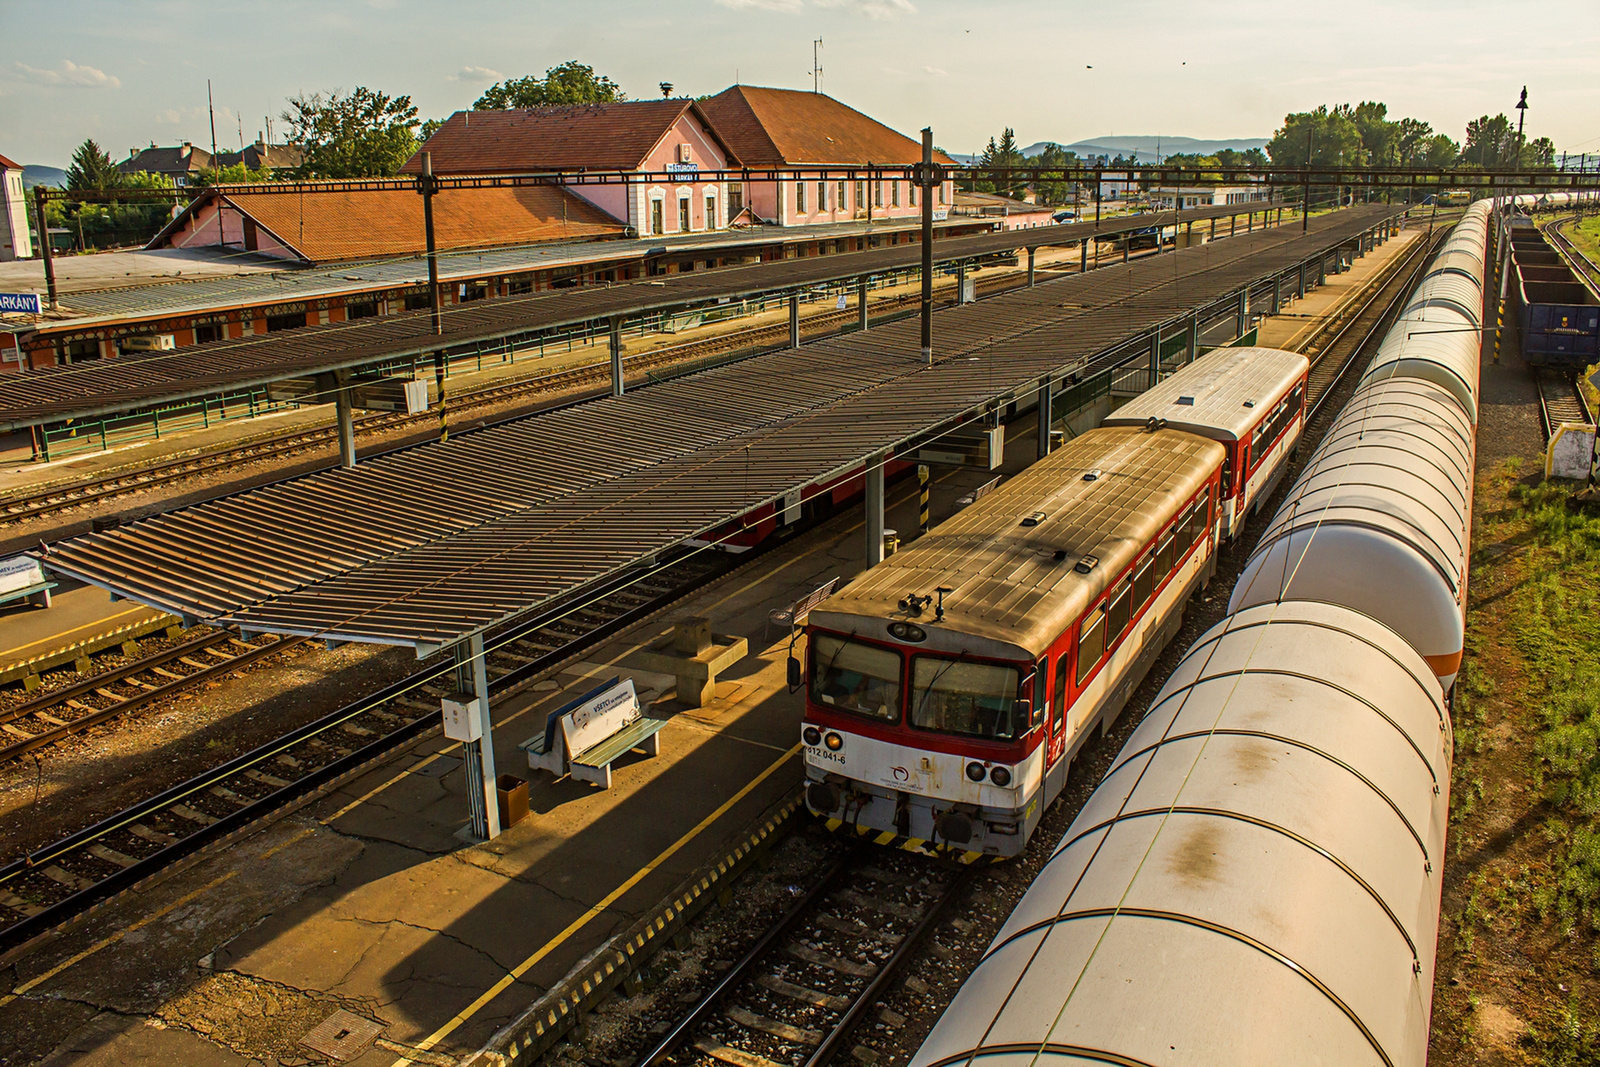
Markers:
point(20, 304)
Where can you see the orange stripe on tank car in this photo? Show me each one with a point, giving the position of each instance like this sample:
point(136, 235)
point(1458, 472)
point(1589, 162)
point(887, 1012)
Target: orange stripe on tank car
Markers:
point(1444, 666)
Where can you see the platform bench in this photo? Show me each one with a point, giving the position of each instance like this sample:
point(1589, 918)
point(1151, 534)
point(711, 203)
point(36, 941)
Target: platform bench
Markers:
point(795, 613)
point(584, 737)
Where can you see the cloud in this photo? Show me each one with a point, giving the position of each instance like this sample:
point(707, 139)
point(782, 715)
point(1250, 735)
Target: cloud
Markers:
point(71, 73)
point(788, 7)
point(872, 9)
point(476, 75)
point(937, 72)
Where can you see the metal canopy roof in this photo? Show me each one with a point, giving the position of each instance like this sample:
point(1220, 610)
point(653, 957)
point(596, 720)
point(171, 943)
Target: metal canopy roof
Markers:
point(88, 390)
point(427, 545)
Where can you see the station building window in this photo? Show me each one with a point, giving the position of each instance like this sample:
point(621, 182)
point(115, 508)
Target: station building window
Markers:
point(207, 332)
point(912, 187)
point(861, 195)
point(822, 196)
point(841, 202)
point(365, 309)
point(521, 286)
point(894, 194)
point(416, 301)
point(877, 194)
point(471, 291)
point(799, 198)
point(289, 320)
point(711, 212)
point(657, 224)
point(735, 200)
point(683, 215)
point(78, 351)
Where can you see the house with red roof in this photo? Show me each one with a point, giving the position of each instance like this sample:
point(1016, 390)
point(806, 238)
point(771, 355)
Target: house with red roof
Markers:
point(639, 136)
point(789, 129)
point(16, 239)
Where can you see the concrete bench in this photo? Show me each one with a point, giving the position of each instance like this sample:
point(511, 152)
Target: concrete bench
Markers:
point(795, 614)
point(584, 737)
point(694, 656)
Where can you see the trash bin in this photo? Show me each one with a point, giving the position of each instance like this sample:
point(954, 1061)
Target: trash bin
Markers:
point(512, 793)
point(891, 543)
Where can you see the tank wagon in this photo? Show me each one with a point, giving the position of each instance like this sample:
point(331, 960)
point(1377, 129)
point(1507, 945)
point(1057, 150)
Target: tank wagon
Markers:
point(1251, 401)
point(1257, 878)
point(948, 688)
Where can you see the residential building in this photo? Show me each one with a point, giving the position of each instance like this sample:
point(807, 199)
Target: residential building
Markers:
point(814, 133)
point(16, 239)
point(1162, 197)
point(182, 163)
point(1008, 213)
point(635, 136)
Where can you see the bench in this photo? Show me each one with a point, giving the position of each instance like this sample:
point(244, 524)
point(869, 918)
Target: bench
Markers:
point(584, 737)
point(793, 615)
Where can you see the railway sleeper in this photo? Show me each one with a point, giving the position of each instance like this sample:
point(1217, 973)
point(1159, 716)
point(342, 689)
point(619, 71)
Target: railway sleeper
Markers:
point(816, 999)
point(857, 929)
point(732, 1056)
point(782, 1031)
point(830, 962)
point(111, 855)
point(155, 837)
point(886, 907)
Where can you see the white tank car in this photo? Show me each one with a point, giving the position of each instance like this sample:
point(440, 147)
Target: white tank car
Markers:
point(1257, 879)
point(1380, 520)
point(1432, 344)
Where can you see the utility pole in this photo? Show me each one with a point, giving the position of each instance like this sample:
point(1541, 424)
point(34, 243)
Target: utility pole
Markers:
point(927, 178)
point(1305, 203)
point(427, 185)
point(816, 65)
point(45, 251)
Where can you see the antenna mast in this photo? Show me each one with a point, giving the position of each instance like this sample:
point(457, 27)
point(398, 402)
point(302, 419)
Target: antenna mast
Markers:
point(212, 109)
point(816, 65)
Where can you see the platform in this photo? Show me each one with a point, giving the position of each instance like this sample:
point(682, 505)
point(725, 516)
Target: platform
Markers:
point(368, 902)
point(79, 614)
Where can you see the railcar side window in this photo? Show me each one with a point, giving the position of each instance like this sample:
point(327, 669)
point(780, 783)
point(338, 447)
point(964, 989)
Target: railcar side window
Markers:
point(1059, 713)
point(961, 697)
point(1091, 643)
point(861, 679)
point(1144, 575)
point(1119, 613)
point(1164, 554)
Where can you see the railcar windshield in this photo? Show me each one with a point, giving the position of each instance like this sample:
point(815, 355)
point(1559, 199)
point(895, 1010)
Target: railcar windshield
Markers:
point(854, 677)
point(970, 699)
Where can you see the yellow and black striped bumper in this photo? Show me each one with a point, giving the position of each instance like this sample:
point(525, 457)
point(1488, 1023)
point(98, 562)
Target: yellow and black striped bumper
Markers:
point(890, 839)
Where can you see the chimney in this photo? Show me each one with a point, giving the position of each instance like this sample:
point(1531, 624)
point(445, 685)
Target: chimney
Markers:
point(183, 153)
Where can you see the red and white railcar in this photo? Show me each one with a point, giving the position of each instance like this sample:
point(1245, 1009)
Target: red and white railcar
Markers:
point(948, 688)
point(1252, 401)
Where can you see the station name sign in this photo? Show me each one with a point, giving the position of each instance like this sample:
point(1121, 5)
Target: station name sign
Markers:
point(20, 304)
point(684, 171)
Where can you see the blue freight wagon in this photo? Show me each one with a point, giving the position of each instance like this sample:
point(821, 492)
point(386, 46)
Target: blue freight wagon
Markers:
point(1558, 316)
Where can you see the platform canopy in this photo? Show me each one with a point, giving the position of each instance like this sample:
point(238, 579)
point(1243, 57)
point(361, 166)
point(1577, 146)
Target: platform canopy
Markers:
point(429, 545)
point(105, 387)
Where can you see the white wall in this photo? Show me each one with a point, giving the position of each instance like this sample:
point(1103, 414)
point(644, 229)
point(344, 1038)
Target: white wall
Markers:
point(16, 242)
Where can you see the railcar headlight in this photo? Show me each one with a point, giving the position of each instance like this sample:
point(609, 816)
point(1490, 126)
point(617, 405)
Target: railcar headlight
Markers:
point(975, 771)
point(833, 741)
point(1000, 776)
point(811, 735)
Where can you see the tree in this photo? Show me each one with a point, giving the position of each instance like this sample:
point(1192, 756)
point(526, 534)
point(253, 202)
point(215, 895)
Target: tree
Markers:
point(238, 173)
point(1332, 137)
point(1490, 142)
point(1540, 152)
point(1002, 153)
point(1379, 137)
point(92, 170)
point(1053, 193)
point(1440, 151)
point(362, 134)
point(569, 83)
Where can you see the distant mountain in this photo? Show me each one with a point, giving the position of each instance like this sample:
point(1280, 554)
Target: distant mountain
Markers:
point(33, 174)
point(1147, 147)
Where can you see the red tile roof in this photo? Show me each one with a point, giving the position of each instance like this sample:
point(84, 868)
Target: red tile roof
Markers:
point(8, 165)
point(333, 226)
point(774, 127)
point(594, 136)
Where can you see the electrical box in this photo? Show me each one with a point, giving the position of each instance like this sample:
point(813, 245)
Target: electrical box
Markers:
point(995, 438)
point(461, 721)
point(791, 507)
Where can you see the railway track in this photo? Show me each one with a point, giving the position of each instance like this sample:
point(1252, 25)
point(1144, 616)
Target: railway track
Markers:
point(1584, 267)
point(1559, 400)
point(797, 994)
point(50, 885)
point(110, 694)
point(1334, 349)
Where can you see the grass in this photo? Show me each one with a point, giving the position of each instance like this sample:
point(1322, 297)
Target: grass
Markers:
point(1526, 789)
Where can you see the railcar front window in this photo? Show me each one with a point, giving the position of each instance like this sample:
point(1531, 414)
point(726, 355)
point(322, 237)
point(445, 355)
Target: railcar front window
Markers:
point(970, 699)
point(853, 677)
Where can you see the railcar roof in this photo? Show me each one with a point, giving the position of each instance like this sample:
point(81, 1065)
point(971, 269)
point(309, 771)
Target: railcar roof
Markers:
point(1210, 395)
point(1009, 585)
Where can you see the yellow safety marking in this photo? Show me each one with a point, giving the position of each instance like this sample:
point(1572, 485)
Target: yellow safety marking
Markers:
point(581, 921)
point(75, 629)
point(34, 983)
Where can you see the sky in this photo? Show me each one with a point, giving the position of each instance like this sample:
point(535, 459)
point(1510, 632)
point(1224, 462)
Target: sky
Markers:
point(130, 72)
